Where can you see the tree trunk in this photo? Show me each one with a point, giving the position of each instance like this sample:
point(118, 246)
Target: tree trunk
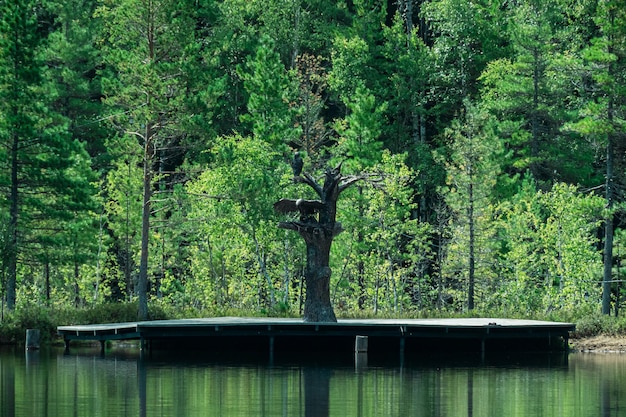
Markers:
point(317, 305)
point(13, 218)
point(142, 284)
point(608, 225)
point(608, 232)
point(472, 243)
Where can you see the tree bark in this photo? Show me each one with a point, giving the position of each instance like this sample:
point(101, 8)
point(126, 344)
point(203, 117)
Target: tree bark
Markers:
point(142, 284)
point(608, 224)
point(13, 219)
point(608, 231)
point(317, 305)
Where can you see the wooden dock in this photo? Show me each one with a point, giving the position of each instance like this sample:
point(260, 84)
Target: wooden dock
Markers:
point(476, 334)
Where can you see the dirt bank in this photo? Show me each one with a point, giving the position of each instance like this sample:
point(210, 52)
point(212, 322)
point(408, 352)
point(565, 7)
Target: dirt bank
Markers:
point(600, 344)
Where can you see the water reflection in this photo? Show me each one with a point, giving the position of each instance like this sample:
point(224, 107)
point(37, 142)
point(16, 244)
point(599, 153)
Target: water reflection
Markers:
point(7, 388)
point(49, 383)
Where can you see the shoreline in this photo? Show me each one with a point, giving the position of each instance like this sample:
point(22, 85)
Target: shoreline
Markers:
point(598, 344)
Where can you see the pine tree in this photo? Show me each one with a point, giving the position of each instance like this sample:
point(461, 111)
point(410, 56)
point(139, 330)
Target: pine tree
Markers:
point(145, 46)
point(603, 113)
point(271, 90)
point(45, 176)
point(472, 168)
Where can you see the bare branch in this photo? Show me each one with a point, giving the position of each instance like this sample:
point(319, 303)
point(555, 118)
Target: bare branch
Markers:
point(347, 182)
point(307, 179)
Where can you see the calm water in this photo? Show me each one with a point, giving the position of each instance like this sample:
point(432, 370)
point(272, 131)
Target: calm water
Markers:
point(49, 383)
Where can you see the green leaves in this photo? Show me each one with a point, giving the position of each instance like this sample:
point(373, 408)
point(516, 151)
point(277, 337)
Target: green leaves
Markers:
point(549, 248)
point(232, 208)
point(271, 90)
point(46, 174)
point(360, 130)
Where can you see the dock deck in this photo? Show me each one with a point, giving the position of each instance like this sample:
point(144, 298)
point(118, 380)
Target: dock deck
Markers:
point(276, 333)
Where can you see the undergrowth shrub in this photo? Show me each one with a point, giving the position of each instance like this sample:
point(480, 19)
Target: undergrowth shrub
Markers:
point(13, 327)
point(599, 324)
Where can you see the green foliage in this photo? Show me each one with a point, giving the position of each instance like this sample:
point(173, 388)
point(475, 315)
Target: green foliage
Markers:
point(600, 324)
point(531, 95)
point(232, 210)
point(473, 168)
point(271, 90)
point(198, 105)
point(384, 245)
point(549, 250)
point(360, 130)
point(13, 328)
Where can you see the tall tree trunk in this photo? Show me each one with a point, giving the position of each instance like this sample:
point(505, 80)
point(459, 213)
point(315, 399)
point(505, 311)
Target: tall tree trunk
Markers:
point(142, 284)
point(608, 231)
point(13, 219)
point(607, 276)
point(472, 245)
point(317, 305)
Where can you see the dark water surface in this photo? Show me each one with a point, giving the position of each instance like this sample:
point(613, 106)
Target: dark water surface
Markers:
point(83, 383)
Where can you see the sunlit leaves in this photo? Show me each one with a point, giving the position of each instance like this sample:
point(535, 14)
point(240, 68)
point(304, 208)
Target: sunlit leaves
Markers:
point(231, 208)
point(549, 250)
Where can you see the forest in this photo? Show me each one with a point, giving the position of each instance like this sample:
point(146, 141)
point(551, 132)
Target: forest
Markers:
point(143, 144)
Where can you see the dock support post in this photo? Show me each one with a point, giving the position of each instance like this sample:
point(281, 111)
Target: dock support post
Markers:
point(360, 344)
point(360, 352)
point(402, 345)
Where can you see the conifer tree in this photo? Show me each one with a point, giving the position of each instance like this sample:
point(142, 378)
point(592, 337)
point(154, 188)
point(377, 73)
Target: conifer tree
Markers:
point(44, 176)
point(602, 114)
point(145, 45)
point(472, 168)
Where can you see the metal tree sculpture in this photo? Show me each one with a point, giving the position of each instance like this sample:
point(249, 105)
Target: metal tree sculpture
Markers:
point(318, 227)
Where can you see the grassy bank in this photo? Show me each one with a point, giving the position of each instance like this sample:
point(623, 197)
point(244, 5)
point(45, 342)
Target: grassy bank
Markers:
point(13, 325)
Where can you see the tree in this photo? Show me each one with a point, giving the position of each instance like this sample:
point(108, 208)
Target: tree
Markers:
point(530, 93)
point(72, 65)
point(271, 89)
point(381, 257)
point(359, 143)
point(121, 192)
point(548, 254)
point(240, 248)
point(146, 43)
point(466, 36)
point(316, 136)
point(44, 172)
point(602, 114)
point(473, 169)
point(409, 72)
point(318, 227)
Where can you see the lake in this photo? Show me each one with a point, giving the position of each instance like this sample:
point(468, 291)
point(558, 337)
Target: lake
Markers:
point(49, 383)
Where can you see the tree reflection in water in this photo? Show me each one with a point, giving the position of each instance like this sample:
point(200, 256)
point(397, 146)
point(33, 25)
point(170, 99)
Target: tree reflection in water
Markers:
point(55, 385)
